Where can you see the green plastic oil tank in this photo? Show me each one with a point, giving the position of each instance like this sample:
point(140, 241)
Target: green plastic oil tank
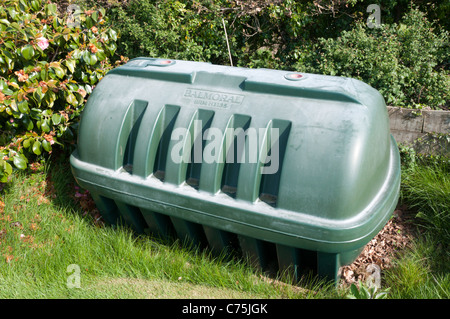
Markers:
point(293, 169)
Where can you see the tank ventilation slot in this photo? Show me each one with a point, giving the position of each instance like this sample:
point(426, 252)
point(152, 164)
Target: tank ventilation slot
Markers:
point(161, 135)
point(277, 138)
point(201, 123)
point(128, 133)
point(235, 137)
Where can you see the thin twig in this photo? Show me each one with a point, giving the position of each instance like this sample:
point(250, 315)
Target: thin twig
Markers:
point(56, 53)
point(228, 44)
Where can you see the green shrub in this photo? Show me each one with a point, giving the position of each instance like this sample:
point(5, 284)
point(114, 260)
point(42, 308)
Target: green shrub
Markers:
point(49, 63)
point(405, 61)
point(259, 33)
point(170, 29)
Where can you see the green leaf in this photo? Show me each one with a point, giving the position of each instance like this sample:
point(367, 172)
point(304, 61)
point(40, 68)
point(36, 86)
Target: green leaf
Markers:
point(112, 34)
point(88, 89)
point(87, 57)
point(89, 22)
point(35, 5)
point(51, 98)
point(381, 295)
point(44, 74)
point(76, 54)
point(95, 16)
point(37, 148)
point(76, 38)
point(28, 123)
point(23, 7)
point(84, 77)
point(47, 112)
point(365, 294)
point(93, 78)
point(27, 143)
point(20, 161)
point(56, 23)
point(46, 145)
point(51, 8)
point(72, 86)
point(38, 95)
point(7, 91)
point(71, 99)
point(71, 64)
point(45, 127)
point(13, 106)
point(16, 26)
point(354, 291)
point(23, 107)
point(9, 59)
point(112, 48)
point(7, 167)
point(101, 55)
point(13, 13)
point(27, 51)
point(93, 59)
point(56, 119)
point(10, 45)
point(59, 72)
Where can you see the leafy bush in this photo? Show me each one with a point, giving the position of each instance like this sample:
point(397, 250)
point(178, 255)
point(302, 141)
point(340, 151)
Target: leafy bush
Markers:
point(49, 63)
point(405, 61)
point(259, 32)
point(170, 29)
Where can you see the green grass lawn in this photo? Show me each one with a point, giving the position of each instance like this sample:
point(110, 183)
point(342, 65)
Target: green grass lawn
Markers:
point(44, 232)
point(424, 270)
point(51, 248)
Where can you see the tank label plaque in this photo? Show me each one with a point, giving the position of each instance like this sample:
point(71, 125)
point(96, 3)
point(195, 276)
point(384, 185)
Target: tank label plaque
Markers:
point(213, 98)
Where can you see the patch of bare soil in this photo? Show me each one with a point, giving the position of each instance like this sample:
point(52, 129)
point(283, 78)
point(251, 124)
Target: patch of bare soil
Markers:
point(392, 239)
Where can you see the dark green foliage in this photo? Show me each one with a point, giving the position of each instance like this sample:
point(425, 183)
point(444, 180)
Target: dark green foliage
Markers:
point(405, 61)
point(170, 29)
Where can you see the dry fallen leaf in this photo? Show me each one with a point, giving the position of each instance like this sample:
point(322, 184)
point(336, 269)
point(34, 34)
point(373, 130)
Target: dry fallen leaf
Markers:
point(396, 235)
point(9, 258)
